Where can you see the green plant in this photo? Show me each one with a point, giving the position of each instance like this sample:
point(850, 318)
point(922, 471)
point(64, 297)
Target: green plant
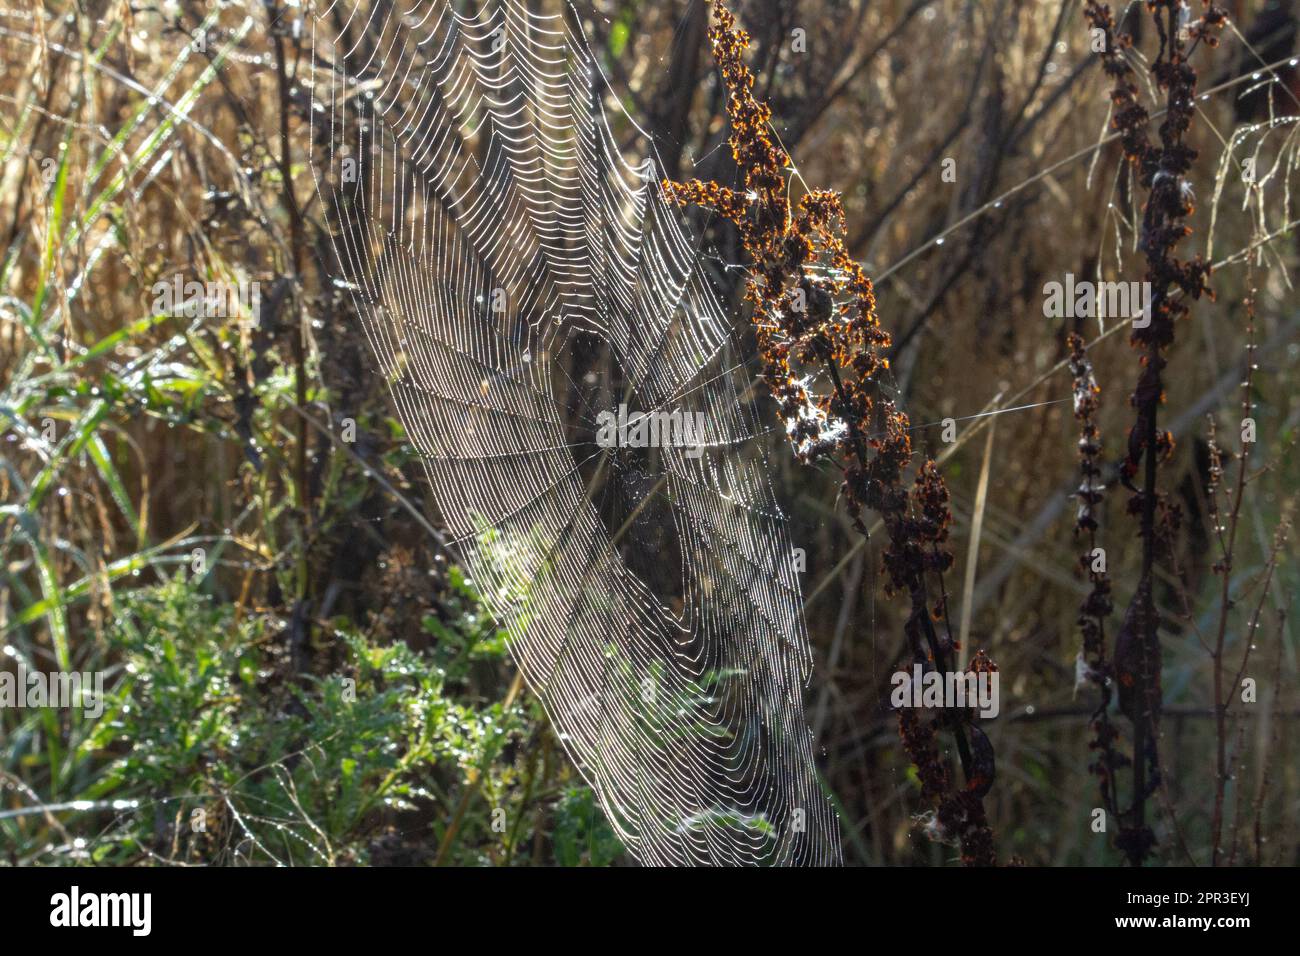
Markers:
point(210, 751)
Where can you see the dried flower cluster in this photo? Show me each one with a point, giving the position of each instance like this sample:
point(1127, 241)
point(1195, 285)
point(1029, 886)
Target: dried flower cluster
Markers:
point(958, 817)
point(1162, 170)
point(814, 312)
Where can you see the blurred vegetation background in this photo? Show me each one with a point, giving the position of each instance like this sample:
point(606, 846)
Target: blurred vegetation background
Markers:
point(295, 670)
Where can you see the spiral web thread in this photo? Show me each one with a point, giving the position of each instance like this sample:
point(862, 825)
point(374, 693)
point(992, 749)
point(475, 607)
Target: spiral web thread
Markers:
point(471, 166)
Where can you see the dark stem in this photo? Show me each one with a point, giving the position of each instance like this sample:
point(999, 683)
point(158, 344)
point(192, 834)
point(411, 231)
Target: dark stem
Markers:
point(297, 246)
point(1149, 632)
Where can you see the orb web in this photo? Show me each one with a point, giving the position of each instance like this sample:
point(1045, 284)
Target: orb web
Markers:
point(540, 315)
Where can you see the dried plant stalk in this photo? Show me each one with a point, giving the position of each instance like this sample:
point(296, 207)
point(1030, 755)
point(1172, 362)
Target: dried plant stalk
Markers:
point(1162, 171)
point(814, 312)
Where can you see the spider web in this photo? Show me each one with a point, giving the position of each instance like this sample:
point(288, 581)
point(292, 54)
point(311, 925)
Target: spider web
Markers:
point(516, 278)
